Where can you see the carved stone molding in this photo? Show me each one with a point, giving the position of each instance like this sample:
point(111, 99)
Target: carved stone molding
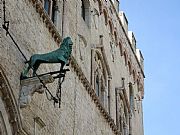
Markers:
point(92, 93)
point(10, 105)
point(30, 86)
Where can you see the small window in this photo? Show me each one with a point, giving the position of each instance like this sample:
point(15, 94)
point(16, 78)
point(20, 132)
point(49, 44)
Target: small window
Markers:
point(50, 8)
point(131, 97)
point(85, 11)
point(47, 5)
point(100, 81)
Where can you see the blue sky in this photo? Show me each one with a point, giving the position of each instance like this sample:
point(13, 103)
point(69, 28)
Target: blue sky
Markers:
point(156, 24)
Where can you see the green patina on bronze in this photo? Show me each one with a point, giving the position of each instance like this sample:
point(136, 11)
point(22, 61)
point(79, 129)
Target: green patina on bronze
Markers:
point(60, 55)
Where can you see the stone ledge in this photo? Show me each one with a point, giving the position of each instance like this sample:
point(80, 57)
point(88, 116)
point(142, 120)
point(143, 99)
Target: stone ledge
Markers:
point(49, 24)
point(91, 92)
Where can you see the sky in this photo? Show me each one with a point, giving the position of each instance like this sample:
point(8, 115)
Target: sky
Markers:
point(156, 25)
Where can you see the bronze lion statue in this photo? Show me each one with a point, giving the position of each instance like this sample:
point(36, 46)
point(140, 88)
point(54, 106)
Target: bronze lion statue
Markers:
point(61, 55)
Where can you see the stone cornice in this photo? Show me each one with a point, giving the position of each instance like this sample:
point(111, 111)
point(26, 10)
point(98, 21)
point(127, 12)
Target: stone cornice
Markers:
point(127, 38)
point(77, 69)
point(49, 24)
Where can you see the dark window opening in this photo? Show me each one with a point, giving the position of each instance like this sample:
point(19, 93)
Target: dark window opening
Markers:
point(46, 5)
point(54, 8)
point(83, 14)
point(97, 85)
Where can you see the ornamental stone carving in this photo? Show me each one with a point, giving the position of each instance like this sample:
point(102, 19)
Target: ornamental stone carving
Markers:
point(30, 86)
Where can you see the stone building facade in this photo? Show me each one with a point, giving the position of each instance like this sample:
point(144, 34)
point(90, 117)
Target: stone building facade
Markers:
point(103, 92)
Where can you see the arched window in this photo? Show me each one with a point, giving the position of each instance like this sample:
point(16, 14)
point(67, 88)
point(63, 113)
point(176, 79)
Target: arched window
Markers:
point(125, 57)
point(85, 11)
point(100, 80)
point(131, 97)
point(100, 6)
point(9, 115)
point(121, 48)
point(96, 18)
point(123, 117)
point(50, 8)
point(116, 39)
point(129, 67)
point(110, 27)
point(105, 16)
point(134, 75)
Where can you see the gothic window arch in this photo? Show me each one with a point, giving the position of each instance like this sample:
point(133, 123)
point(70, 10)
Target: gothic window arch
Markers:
point(9, 114)
point(96, 18)
point(125, 57)
point(138, 84)
point(121, 48)
point(123, 117)
point(116, 38)
point(100, 5)
point(131, 97)
point(134, 75)
point(100, 79)
point(105, 16)
point(82, 47)
point(129, 67)
point(113, 51)
point(110, 27)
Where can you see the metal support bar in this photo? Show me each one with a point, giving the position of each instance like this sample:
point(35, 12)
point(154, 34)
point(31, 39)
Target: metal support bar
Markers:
point(6, 28)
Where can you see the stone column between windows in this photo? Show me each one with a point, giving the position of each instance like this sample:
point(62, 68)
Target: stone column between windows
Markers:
point(109, 94)
point(92, 67)
point(57, 18)
point(50, 8)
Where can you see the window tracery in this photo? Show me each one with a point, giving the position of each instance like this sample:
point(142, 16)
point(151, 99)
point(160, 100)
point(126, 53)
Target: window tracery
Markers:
point(100, 80)
point(123, 118)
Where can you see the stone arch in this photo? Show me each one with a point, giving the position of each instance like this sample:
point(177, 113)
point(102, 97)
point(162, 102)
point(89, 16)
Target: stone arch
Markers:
point(122, 96)
point(103, 64)
point(134, 74)
point(105, 16)
point(141, 89)
point(96, 18)
point(82, 49)
point(96, 12)
point(116, 37)
point(100, 79)
point(121, 48)
point(10, 104)
point(125, 57)
point(123, 114)
point(111, 26)
point(129, 67)
point(131, 97)
point(100, 5)
point(83, 39)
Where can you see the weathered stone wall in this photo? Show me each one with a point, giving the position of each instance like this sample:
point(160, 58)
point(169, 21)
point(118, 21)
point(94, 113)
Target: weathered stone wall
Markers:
point(79, 112)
